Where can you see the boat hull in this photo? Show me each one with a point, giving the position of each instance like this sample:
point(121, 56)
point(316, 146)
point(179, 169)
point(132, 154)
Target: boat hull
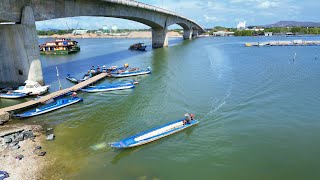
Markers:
point(58, 104)
point(153, 134)
point(13, 95)
point(130, 74)
point(107, 88)
point(72, 79)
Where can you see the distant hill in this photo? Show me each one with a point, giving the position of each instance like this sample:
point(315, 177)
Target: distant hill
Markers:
point(293, 24)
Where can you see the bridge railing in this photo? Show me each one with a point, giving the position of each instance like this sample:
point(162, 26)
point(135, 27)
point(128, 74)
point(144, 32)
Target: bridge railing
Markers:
point(150, 7)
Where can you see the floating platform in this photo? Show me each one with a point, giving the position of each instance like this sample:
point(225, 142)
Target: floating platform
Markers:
point(284, 43)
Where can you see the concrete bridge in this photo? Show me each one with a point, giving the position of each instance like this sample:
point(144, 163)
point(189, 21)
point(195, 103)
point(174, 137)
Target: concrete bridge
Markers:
point(19, 51)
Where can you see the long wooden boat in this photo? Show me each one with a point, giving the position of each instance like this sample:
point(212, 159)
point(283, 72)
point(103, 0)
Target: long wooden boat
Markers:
point(153, 134)
point(13, 95)
point(109, 87)
point(57, 104)
point(131, 73)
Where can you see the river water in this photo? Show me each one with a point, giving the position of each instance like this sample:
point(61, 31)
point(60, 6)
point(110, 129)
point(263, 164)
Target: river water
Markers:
point(258, 111)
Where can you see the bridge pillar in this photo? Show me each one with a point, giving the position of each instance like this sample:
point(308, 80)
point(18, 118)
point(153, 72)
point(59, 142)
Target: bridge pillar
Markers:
point(19, 51)
point(187, 34)
point(195, 33)
point(159, 37)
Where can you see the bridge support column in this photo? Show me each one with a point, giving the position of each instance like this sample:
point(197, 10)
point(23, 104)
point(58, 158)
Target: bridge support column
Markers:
point(159, 37)
point(195, 33)
point(187, 34)
point(19, 51)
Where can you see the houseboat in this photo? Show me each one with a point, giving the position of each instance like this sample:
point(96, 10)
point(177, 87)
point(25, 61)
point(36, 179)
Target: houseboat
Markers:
point(59, 46)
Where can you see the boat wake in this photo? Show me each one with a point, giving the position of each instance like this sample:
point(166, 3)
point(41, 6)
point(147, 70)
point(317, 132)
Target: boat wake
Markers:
point(218, 104)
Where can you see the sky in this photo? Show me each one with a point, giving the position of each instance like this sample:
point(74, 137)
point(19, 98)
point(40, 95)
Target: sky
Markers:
point(208, 14)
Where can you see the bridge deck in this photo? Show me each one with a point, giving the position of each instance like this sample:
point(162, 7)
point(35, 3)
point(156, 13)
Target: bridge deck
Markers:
point(54, 94)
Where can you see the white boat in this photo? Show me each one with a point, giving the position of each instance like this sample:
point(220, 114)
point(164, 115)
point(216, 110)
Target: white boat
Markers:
point(32, 88)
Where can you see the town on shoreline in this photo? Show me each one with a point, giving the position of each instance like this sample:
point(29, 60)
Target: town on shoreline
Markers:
point(174, 33)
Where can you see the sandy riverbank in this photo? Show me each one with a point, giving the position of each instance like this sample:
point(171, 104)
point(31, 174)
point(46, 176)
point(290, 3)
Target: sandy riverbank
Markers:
point(134, 34)
point(31, 164)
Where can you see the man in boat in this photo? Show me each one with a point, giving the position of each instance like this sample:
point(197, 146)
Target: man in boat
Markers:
point(104, 69)
point(93, 72)
point(188, 118)
point(74, 94)
point(98, 70)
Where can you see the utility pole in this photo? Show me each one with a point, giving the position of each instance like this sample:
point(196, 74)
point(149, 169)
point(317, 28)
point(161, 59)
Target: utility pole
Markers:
point(60, 87)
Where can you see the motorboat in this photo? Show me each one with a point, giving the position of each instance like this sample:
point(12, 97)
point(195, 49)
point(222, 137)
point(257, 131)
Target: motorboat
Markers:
point(32, 88)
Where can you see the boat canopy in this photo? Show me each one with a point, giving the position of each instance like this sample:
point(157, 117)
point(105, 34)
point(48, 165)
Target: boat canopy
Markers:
point(29, 82)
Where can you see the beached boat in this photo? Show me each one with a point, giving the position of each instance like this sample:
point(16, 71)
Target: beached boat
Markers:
point(153, 134)
point(56, 104)
point(60, 46)
point(13, 95)
point(32, 88)
point(138, 46)
point(128, 73)
point(109, 87)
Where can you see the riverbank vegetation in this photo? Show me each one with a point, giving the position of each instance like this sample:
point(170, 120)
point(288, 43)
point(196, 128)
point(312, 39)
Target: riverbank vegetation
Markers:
point(250, 31)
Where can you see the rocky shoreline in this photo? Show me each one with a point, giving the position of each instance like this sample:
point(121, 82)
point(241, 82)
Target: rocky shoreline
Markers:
point(21, 151)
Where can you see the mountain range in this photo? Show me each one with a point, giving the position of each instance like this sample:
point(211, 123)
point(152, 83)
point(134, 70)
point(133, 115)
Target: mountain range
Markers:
point(292, 24)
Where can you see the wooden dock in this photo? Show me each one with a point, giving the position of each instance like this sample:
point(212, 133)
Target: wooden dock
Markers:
point(43, 99)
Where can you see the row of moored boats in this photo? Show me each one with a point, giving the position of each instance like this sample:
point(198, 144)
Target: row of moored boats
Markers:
point(71, 98)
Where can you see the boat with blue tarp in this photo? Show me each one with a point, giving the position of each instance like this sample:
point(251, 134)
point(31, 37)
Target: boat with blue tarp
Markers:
point(13, 95)
point(51, 106)
point(108, 87)
point(128, 73)
point(138, 46)
point(156, 133)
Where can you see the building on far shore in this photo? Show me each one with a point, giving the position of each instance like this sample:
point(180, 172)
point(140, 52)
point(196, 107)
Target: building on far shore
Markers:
point(223, 33)
point(79, 31)
point(268, 33)
point(255, 29)
point(241, 25)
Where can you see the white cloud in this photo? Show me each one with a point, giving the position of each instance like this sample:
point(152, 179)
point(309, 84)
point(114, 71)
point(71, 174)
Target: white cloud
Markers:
point(212, 18)
point(268, 4)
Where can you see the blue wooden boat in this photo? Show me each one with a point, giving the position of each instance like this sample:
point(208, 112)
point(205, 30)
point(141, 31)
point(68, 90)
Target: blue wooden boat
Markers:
point(72, 79)
point(56, 104)
point(13, 95)
point(131, 73)
point(108, 87)
point(153, 134)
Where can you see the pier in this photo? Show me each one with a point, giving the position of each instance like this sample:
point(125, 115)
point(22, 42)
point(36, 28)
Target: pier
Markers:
point(285, 43)
point(4, 112)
